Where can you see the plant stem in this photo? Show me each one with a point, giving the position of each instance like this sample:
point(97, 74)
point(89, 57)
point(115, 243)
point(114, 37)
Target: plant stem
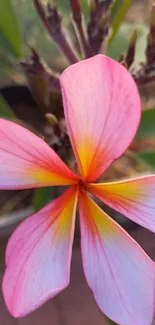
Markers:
point(53, 26)
point(98, 26)
point(79, 26)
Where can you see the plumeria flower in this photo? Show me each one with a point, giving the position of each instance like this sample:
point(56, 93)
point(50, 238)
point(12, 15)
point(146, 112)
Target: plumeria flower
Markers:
point(102, 110)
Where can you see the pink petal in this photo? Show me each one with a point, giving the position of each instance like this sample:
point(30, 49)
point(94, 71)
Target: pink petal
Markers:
point(135, 198)
point(38, 256)
point(27, 161)
point(118, 271)
point(102, 108)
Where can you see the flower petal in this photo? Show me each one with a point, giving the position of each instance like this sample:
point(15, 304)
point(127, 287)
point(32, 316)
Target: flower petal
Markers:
point(102, 108)
point(118, 271)
point(135, 198)
point(38, 256)
point(26, 161)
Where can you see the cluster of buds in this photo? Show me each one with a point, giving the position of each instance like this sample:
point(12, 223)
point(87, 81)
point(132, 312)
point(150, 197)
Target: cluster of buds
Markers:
point(42, 80)
point(89, 40)
point(90, 37)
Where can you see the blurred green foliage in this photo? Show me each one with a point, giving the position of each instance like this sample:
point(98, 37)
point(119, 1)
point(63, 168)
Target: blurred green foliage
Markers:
point(9, 27)
point(147, 130)
point(147, 124)
point(5, 109)
point(120, 44)
point(42, 197)
point(148, 158)
point(33, 32)
point(118, 12)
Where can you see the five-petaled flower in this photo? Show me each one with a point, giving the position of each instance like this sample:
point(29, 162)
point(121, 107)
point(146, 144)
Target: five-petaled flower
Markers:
point(102, 111)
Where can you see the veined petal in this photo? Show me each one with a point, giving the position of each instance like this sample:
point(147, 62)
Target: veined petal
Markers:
point(135, 198)
point(38, 256)
point(26, 161)
point(102, 109)
point(118, 271)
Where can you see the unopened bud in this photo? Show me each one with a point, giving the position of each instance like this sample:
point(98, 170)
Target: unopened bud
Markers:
point(51, 118)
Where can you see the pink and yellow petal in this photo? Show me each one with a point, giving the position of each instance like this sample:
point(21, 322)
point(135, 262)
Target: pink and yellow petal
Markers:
point(135, 198)
point(119, 273)
point(102, 109)
point(26, 161)
point(38, 256)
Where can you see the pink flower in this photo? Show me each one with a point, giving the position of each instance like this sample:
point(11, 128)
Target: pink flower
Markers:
point(102, 110)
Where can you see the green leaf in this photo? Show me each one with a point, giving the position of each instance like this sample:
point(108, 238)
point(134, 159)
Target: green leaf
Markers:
point(148, 158)
point(65, 6)
point(142, 31)
point(9, 27)
point(120, 43)
point(43, 196)
point(147, 124)
point(118, 12)
point(5, 109)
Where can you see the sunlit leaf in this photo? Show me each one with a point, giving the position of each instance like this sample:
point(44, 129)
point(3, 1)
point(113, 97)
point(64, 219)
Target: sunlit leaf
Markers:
point(118, 13)
point(147, 124)
point(148, 158)
point(9, 27)
point(5, 109)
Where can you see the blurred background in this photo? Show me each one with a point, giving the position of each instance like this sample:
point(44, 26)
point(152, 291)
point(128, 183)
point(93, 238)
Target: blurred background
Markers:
point(38, 40)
